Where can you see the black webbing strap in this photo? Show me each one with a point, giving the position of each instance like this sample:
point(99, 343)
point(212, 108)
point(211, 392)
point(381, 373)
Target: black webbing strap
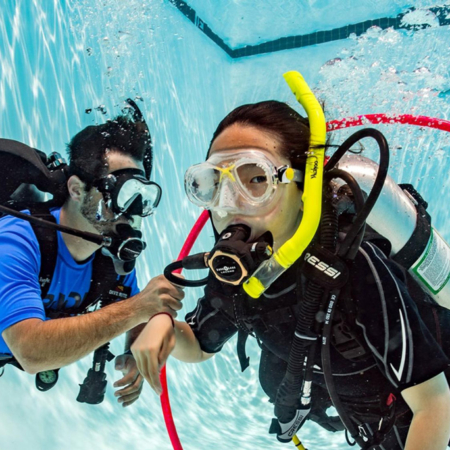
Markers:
point(104, 280)
point(244, 360)
point(418, 241)
point(48, 246)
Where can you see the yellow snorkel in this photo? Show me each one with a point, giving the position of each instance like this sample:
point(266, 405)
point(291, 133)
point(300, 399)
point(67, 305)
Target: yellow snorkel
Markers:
point(292, 249)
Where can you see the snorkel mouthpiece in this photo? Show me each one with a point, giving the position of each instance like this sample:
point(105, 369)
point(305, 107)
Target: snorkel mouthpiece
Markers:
point(291, 250)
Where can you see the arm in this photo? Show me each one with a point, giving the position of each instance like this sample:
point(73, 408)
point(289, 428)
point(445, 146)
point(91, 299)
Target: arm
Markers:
point(132, 335)
point(153, 346)
point(43, 345)
point(430, 404)
point(187, 348)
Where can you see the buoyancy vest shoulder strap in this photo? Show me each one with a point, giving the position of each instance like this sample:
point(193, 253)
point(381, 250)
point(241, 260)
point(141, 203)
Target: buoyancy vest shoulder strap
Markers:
point(48, 245)
point(106, 286)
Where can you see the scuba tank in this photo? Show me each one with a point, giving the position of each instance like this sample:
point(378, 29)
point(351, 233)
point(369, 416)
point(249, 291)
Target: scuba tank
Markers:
point(400, 216)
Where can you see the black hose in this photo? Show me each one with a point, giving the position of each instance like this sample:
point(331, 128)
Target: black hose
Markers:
point(91, 237)
point(327, 373)
point(191, 263)
point(349, 254)
point(286, 402)
point(358, 197)
point(377, 187)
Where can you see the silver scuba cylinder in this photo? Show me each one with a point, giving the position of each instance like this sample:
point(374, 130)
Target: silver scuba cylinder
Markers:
point(399, 217)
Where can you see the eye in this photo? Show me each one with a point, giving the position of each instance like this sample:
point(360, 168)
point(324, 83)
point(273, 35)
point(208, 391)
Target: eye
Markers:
point(259, 179)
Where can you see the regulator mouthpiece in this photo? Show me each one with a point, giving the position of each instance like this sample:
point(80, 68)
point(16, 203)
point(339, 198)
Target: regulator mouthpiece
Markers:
point(233, 260)
point(125, 248)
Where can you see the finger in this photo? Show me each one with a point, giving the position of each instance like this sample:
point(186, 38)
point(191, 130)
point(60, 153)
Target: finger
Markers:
point(173, 290)
point(129, 398)
point(166, 349)
point(153, 373)
point(177, 292)
point(134, 387)
point(178, 286)
point(147, 364)
point(129, 378)
point(142, 365)
point(120, 361)
point(175, 304)
point(125, 404)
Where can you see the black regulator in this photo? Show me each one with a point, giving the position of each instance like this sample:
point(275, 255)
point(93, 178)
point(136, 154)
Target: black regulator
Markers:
point(232, 260)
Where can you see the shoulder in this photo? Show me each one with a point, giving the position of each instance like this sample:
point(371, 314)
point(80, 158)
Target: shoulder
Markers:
point(371, 268)
point(403, 346)
point(17, 238)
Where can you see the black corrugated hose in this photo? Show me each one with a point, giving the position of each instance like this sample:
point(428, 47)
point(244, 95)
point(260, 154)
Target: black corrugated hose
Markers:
point(287, 400)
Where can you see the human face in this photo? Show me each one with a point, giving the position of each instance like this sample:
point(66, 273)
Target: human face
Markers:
point(93, 207)
point(283, 215)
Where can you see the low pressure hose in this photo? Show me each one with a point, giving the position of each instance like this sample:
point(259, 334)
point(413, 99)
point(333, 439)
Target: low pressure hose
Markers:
point(377, 187)
point(286, 402)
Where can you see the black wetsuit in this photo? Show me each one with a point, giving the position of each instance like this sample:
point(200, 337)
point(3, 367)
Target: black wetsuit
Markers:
point(401, 328)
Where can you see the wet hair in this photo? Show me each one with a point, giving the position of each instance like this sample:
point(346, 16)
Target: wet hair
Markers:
point(278, 119)
point(88, 149)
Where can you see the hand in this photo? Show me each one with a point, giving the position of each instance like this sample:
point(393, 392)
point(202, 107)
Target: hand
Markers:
point(132, 380)
point(160, 295)
point(152, 348)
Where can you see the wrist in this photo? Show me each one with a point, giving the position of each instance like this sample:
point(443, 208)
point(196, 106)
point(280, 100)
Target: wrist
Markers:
point(166, 314)
point(139, 309)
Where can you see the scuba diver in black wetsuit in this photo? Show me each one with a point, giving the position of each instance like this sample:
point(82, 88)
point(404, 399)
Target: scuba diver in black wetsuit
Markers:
point(384, 339)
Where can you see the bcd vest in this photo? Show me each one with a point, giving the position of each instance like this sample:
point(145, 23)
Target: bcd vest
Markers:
point(106, 288)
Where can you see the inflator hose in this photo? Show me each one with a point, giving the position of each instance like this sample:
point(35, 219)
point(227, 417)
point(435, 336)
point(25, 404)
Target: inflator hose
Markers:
point(378, 184)
point(91, 237)
point(165, 402)
point(286, 402)
point(358, 199)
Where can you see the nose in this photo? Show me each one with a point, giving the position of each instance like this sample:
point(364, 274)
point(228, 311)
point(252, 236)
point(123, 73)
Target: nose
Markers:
point(228, 195)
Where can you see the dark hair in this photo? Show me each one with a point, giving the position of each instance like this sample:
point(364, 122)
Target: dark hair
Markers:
point(276, 118)
point(87, 149)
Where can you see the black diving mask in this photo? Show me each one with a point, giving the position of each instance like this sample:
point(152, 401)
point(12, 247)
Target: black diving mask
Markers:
point(232, 260)
point(128, 191)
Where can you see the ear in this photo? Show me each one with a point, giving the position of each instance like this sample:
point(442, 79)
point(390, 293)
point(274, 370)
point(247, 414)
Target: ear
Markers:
point(76, 188)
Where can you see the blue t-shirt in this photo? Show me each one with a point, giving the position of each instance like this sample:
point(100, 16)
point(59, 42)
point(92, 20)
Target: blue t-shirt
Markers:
point(20, 263)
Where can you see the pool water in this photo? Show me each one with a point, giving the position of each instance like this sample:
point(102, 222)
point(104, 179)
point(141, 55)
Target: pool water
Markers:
point(69, 64)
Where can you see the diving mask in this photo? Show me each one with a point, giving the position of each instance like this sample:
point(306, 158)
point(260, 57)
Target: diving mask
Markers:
point(129, 191)
point(238, 182)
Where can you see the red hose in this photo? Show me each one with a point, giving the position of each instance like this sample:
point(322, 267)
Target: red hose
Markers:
point(165, 403)
point(422, 121)
point(333, 125)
